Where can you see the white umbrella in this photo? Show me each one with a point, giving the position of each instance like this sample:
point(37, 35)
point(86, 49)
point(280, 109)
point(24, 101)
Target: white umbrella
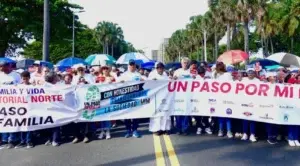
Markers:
point(286, 59)
point(124, 59)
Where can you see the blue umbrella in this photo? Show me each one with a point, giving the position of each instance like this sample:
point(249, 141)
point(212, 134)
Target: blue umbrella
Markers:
point(264, 62)
point(47, 64)
point(148, 65)
point(7, 60)
point(25, 63)
point(69, 62)
point(175, 65)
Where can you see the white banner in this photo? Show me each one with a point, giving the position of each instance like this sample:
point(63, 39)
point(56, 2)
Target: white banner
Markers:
point(27, 108)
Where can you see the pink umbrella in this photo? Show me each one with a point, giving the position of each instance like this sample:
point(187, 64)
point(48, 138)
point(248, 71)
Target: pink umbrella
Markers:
point(233, 57)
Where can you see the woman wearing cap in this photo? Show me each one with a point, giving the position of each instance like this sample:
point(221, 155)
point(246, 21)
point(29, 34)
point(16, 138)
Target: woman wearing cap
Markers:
point(161, 124)
point(81, 76)
point(246, 123)
point(105, 78)
point(221, 74)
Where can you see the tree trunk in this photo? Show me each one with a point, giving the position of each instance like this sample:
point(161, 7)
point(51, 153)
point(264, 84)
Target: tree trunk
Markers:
point(263, 46)
point(216, 47)
point(205, 51)
point(246, 38)
point(112, 50)
point(46, 31)
point(104, 44)
point(3, 48)
point(228, 36)
point(292, 45)
point(272, 47)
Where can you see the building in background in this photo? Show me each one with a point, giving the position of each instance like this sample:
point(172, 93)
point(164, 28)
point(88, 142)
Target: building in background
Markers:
point(154, 55)
point(162, 50)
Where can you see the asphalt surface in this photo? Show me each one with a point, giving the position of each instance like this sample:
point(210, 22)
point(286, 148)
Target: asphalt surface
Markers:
point(191, 150)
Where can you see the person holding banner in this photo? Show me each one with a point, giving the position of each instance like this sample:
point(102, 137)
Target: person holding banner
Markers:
point(271, 128)
point(26, 140)
point(52, 134)
point(105, 78)
point(8, 139)
point(251, 78)
point(131, 75)
point(81, 75)
point(221, 74)
point(182, 122)
point(162, 124)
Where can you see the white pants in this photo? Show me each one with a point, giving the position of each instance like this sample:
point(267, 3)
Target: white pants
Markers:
point(160, 123)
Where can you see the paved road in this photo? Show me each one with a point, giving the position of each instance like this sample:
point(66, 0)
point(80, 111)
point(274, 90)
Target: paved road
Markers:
point(151, 150)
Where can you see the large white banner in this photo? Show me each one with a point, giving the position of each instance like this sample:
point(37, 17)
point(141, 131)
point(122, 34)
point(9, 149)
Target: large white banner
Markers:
point(27, 108)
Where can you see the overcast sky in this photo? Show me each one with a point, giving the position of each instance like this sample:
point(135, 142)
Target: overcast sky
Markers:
point(144, 22)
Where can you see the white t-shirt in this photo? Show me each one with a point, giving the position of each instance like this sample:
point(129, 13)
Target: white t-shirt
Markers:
point(37, 78)
point(16, 76)
point(6, 79)
point(181, 73)
point(88, 78)
point(130, 76)
point(154, 75)
point(224, 77)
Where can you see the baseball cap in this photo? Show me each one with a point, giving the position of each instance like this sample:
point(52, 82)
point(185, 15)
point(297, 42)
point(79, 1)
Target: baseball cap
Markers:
point(37, 63)
point(131, 62)
point(250, 70)
point(159, 65)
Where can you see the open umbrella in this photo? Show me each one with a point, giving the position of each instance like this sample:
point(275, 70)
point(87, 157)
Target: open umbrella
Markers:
point(286, 59)
point(174, 65)
point(100, 59)
point(148, 65)
point(264, 62)
point(8, 60)
point(233, 57)
point(69, 62)
point(124, 59)
point(25, 63)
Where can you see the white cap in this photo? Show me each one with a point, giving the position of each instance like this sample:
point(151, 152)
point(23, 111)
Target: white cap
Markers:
point(20, 71)
point(271, 74)
point(250, 69)
point(37, 63)
point(78, 66)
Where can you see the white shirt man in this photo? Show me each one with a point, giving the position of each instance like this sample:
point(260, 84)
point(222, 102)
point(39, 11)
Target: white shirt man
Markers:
point(183, 72)
point(5, 77)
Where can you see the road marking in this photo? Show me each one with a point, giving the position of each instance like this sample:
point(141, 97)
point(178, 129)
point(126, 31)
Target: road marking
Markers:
point(160, 160)
point(171, 152)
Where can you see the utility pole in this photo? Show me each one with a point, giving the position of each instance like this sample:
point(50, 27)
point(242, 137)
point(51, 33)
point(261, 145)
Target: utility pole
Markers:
point(73, 36)
point(46, 31)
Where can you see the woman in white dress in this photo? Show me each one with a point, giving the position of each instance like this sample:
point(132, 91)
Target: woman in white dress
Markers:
point(159, 125)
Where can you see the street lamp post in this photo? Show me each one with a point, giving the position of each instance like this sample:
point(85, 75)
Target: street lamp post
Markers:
point(73, 34)
point(46, 31)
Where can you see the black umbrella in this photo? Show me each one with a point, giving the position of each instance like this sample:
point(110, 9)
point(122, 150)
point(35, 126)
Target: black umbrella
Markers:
point(25, 63)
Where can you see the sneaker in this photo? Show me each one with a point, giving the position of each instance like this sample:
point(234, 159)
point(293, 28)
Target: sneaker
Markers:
point(229, 134)
point(292, 143)
point(3, 145)
point(127, 135)
point(29, 145)
point(297, 143)
point(167, 132)
point(238, 135)
point(107, 134)
point(101, 135)
point(252, 138)
point(55, 144)
point(220, 134)
point(272, 141)
point(20, 145)
point(208, 131)
point(279, 137)
point(244, 137)
point(85, 140)
point(48, 143)
point(10, 146)
point(75, 140)
point(198, 131)
point(136, 134)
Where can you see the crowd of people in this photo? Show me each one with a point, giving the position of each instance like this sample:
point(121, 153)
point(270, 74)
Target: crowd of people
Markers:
point(182, 125)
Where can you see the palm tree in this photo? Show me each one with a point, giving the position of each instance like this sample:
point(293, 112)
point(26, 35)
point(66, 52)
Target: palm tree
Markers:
point(289, 23)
